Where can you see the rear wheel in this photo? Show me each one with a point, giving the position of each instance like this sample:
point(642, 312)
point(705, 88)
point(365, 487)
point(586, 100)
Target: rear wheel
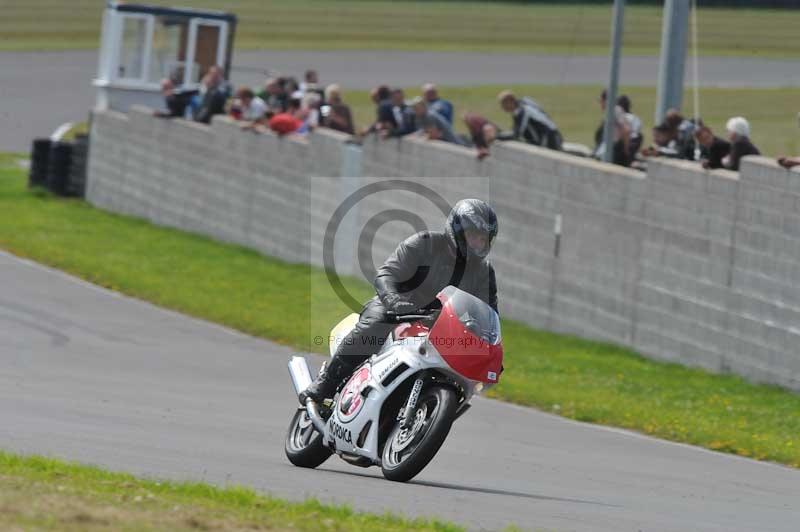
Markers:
point(407, 451)
point(304, 446)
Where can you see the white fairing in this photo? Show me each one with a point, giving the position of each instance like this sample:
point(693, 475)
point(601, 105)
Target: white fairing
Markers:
point(352, 415)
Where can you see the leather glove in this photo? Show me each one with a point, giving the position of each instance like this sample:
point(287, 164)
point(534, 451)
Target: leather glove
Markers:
point(399, 306)
point(403, 307)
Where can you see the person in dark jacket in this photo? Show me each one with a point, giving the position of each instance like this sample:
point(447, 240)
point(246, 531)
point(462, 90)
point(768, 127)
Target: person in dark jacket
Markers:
point(215, 94)
point(337, 115)
point(712, 148)
point(175, 101)
point(381, 97)
point(739, 135)
point(399, 118)
point(531, 123)
point(420, 267)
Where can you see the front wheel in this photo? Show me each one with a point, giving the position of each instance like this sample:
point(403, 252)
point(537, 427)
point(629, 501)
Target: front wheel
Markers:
point(408, 451)
point(304, 446)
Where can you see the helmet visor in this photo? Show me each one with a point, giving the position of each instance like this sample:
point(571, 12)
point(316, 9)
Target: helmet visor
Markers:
point(479, 242)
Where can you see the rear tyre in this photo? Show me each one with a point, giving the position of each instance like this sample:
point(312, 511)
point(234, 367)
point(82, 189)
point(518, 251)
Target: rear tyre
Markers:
point(407, 451)
point(304, 446)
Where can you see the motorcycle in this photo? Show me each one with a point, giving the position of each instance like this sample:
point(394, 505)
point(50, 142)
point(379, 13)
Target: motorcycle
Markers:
point(397, 408)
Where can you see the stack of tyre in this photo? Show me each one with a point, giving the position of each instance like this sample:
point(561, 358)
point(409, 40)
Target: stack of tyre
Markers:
point(60, 166)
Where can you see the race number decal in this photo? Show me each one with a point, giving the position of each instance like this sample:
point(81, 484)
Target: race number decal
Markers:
point(351, 400)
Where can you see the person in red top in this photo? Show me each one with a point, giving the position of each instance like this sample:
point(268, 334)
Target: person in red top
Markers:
point(482, 131)
point(287, 121)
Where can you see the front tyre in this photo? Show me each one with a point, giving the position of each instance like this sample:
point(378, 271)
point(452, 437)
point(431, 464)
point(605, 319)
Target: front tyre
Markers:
point(408, 451)
point(304, 446)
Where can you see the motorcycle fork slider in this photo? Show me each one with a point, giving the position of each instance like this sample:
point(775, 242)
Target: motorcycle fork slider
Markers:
point(411, 405)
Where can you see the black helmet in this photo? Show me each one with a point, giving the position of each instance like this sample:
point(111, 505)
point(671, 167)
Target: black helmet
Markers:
point(471, 214)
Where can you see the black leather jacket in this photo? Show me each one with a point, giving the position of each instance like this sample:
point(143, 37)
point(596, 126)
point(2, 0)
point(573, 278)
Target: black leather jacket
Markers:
point(424, 264)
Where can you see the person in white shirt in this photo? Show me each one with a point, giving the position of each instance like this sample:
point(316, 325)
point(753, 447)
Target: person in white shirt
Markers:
point(251, 107)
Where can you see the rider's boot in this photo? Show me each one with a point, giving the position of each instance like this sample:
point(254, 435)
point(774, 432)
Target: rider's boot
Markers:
point(324, 386)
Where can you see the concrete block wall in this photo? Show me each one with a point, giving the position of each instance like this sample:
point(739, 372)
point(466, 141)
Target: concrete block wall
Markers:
point(681, 264)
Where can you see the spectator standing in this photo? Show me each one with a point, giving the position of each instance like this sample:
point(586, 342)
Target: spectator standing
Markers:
point(381, 97)
point(274, 95)
point(310, 82)
point(531, 123)
point(636, 139)
point(739, 134)
point(431, 96)
point(214, 92)
point(402, 119)
point(712, 148)
point(176, 102)
point(337, 115)
point(621, 135)
point(311, 103)
point(291, 86)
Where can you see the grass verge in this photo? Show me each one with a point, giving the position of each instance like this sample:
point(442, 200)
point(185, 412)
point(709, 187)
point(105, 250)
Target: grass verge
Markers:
point(487, 26)
point(44, 494)
point(575, 378)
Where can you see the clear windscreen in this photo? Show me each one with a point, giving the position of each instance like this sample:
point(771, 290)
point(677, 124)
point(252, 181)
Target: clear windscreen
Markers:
point(475, 315)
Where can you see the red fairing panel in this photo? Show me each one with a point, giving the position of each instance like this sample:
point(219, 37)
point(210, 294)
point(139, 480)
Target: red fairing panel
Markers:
point(466, 353)
point(410, 330)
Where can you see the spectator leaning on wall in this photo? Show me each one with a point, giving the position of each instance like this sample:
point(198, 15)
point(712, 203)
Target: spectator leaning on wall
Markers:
point(335, 113)
point(739, 134)
point(214, 93)
point(274, 95)
point(621, 135)
point(684, 133)
point(712, 148)
point(431, 96)
point(251, 108)
point(665, 142)
point(634, 123)
point(288, 121)
point(433, 125)
point(531, 123)
point(789, 162)
point(482, 131)
point(381, 97)
point(175, 102)
point(399, 118)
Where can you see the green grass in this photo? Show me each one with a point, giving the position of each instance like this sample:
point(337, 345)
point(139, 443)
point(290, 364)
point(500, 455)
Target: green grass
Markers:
point(772, 112)
point(452, 26)
point(39, 493)
point(576, 378)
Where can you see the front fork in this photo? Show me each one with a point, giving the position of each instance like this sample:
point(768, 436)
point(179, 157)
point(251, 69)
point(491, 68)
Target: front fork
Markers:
point(407, 415)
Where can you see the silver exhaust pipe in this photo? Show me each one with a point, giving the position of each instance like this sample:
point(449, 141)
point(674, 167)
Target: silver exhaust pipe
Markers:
point(298, 370)
point(301, 379)
point(313, 415)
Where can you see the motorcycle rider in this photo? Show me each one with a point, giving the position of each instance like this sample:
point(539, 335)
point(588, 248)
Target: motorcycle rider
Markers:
point(420, 267)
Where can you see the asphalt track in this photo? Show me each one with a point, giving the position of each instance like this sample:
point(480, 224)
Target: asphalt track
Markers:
point(41, 90)
point(87, 374)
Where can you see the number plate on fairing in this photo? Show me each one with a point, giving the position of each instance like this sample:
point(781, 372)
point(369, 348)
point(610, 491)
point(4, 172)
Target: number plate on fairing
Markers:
point(350, 400)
